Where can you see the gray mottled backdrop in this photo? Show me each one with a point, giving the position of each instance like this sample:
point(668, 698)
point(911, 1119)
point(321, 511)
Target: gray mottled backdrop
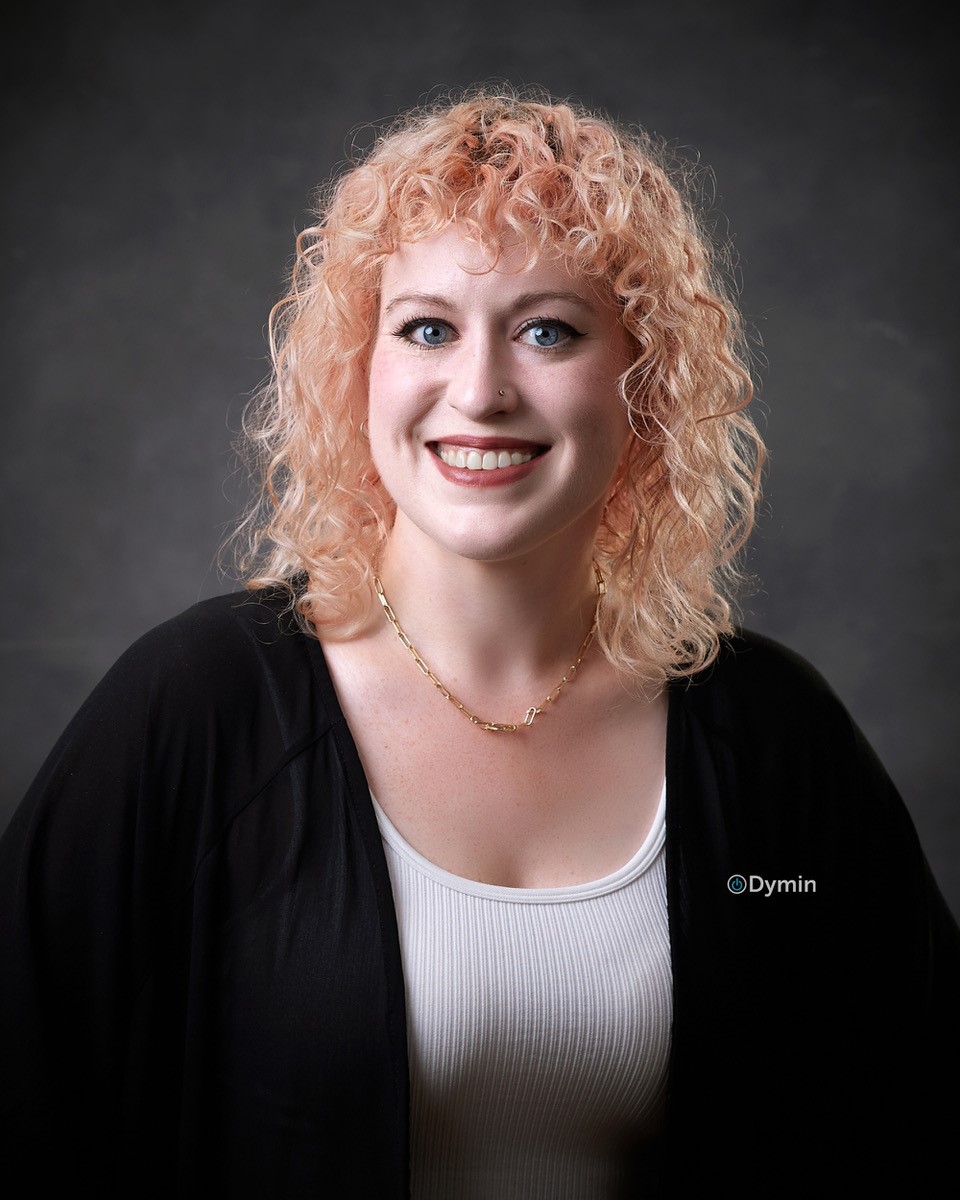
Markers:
point(162, 157)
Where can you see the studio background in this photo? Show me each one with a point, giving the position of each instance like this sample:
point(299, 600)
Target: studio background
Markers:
point(162, 158)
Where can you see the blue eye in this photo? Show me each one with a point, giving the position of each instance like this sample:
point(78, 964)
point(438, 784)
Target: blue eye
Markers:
point(548, 335)
point(431, 334)
point(425, 332)
point(545, 335)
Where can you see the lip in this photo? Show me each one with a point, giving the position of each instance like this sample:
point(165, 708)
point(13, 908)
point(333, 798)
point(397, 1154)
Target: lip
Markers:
point(502, 476)
point(488, 443)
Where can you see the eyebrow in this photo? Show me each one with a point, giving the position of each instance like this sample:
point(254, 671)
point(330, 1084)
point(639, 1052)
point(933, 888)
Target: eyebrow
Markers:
point(527, 300)
point(424, 298)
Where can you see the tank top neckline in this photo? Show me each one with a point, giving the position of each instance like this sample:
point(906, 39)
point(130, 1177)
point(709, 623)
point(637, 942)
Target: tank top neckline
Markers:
point(641, 861)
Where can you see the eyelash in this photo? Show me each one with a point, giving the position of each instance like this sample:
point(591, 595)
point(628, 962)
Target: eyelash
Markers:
point(406, 329)
point(403, 331)
point(554, 323)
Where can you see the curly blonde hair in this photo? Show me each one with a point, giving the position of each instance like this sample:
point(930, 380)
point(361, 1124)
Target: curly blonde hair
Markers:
point(561, 180)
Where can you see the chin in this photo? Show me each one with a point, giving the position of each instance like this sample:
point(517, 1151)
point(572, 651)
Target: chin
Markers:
point(499, 544)
point(488, 551)
point(504, 531)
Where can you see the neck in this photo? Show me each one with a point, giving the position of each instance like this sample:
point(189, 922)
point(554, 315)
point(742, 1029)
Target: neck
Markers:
point(501, 632)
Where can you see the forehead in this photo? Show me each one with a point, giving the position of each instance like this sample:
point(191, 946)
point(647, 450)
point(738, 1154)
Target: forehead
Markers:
point(453, 266)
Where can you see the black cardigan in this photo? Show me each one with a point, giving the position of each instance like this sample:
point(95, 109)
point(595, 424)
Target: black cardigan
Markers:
point(201, 977)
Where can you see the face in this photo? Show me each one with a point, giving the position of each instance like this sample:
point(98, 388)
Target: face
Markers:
point(494, 417)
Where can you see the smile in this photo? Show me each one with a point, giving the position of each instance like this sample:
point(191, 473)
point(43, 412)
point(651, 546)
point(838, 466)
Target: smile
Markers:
point(473, 458)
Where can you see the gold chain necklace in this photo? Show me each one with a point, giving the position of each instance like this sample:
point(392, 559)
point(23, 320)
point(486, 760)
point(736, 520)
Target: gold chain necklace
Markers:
point(534, 710)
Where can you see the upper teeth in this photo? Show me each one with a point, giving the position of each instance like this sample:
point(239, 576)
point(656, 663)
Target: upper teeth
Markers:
point(482, 460)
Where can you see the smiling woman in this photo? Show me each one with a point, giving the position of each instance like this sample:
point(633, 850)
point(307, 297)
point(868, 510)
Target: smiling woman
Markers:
point(523, 187)
point(412, 870)
point(488, 379)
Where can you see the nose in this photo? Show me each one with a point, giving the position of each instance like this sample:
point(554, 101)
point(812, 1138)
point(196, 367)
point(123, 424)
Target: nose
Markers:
point(482, 385)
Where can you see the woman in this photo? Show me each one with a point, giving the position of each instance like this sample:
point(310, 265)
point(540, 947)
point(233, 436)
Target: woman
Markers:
point(429, 866)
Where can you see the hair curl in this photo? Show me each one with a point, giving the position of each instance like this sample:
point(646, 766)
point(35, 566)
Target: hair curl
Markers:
point(560, 180)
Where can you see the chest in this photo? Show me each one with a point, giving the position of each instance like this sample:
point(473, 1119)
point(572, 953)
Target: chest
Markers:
point(567, 800)
point(539, 1027)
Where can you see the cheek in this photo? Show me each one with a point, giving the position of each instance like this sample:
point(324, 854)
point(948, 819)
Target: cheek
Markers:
point(607, 435)
point(378, 382)
point(600, 419)
point(394, 395)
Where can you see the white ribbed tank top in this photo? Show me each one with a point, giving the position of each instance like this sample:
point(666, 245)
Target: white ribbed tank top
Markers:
point(538, 1026)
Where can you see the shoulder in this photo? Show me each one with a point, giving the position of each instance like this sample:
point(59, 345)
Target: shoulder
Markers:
point(750, 660)
point(756, 675)
point(226, 687)
point(771, 711)
point(206, 634)
point(767, 683)
point(194, 718)
point(224, 651)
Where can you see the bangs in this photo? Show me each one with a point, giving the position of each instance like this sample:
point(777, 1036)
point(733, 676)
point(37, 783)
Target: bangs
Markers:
point(539, 177)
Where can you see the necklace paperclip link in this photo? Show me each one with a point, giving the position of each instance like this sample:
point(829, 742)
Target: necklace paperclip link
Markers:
point(534, 710)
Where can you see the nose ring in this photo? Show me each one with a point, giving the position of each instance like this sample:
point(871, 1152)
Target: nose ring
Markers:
point(500, 392)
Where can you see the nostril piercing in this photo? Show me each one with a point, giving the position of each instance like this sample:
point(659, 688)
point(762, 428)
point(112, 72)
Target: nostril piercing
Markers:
point(500, 392)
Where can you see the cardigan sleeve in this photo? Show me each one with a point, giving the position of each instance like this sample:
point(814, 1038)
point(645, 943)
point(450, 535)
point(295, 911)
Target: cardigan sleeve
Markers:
point(822, 992)
point(91, 866)
point(200, 988)
point(69, 926)
point(97, 859)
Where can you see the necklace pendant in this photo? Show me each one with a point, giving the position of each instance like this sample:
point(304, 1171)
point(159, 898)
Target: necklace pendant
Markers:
point(530, 715)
